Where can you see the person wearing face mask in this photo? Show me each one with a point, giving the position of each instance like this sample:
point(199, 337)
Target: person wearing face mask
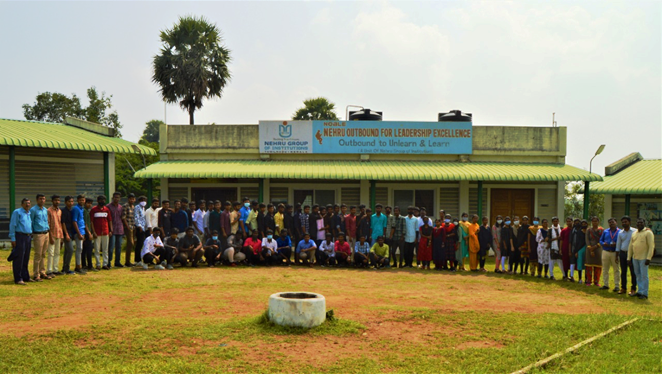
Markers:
point(473, 243)
point(506, 244)
point(543, 248)
point(463, 241)
point(139, 228)
point(593, 255)
point(153, 249)
point(577, 242)
point(284, 247)
point(533, 246)
point(523, 245)
point(555, 247)
point(485, 239)
point(497, 233)
point(450, 241)
point(212, 249)
point(514, 258)
point(244, 217)
point(252, 247)
point(269, 256)
point(439, 235)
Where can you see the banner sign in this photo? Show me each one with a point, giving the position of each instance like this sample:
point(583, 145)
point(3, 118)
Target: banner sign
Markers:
point(365, 137)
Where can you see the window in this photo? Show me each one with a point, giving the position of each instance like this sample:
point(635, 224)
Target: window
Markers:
point(419, 198)
point(311, 197)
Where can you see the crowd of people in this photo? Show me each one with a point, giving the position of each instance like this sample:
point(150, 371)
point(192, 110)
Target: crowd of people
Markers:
point(250, 233)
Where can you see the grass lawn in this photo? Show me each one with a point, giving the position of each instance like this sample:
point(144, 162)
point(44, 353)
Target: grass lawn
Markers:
point(209, 320)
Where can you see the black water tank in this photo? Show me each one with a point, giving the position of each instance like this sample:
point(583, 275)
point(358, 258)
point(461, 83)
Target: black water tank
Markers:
point(455, 116)
point(365, 115)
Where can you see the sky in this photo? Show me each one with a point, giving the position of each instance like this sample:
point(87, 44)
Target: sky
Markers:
point(596, 64)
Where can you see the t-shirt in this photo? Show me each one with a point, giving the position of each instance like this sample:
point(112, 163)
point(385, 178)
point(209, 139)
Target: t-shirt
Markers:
point(381, 251)
point(180, 220)
point(327, 247)
point(345, 248)
point(269, 244)
point(283, 242)
point(321, 228)
point(378, 223)
point(305, 245)
point(211, 242)
point(78, 217)
point(187, 241)
point(148, 245)
point(256, 244)
point(101, 218)
point(234, 215)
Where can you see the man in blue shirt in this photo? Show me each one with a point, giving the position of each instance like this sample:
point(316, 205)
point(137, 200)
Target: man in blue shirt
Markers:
point(179, 219)
point(609, 255)
point(78, 222)
point(20, 229)
point(378, 223)
point(243, 217)
point(306, 250)
point(39, 218)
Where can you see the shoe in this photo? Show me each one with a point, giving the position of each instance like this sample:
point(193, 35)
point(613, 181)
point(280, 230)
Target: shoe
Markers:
point(139, 264)
point(58, 273)
point(36, 280)
point(634, 295)
point(81, 272)
point(118, 265)
point(30, 280)
point(572, 280)
point(622, 291)
point(20, 283)
point(552, 277)
point(642, 296)
point(144, 266)
point(45, 276)
point(605, 287)
point(70, 273)
point(98, 268)
point(129, 264)
point(235, 265)
point(105, 268)
point(159, 267)
point(95, 269)
point(617, 290)
point(169, 267)
point(52, 275)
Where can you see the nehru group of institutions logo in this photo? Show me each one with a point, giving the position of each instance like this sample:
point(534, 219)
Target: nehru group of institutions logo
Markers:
point(285, 130)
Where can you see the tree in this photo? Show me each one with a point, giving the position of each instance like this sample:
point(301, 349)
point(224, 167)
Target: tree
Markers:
point(193, 64)
point(573, 201)
point(316, 109)
point(54, 107)
point(151, 132)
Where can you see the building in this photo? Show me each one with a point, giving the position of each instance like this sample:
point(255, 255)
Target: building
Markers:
point(632, 186)
point(77, 157)
point(516, 170)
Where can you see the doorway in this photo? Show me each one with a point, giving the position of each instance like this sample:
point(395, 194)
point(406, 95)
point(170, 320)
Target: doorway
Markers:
point(510, 202)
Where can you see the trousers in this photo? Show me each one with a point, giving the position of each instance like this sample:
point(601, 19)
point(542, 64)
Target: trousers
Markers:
point(53, 263)
point(115, 246)
point(409, 252)
point(101, 245)
point(41, 248)
point(609, 260)
point(642, 275)
point(68, 254)
point(86, 261)
point(129, 233)
point(21, 253)
point(623, 267)
point(138, 246)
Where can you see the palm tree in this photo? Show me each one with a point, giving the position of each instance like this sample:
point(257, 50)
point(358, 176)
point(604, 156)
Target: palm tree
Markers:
point(193, 64)
point(316, 109)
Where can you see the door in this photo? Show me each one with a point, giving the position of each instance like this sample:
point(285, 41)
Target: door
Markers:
point(417, 198)
point(212, 194)
point(511, 202)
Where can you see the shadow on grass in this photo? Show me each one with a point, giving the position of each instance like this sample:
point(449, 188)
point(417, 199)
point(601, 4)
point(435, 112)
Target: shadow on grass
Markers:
point(335, 327)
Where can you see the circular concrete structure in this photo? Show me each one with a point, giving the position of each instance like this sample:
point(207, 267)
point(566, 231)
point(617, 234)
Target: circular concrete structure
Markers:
point(297, 309)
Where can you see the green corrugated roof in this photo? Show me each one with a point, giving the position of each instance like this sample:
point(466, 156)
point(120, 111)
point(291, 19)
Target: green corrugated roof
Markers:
point(368, 170)
point(643, 177)
point(22, 133)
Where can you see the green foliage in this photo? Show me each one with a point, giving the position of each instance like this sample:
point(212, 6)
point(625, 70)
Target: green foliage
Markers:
point(573, 201)
point(125, 167)
point(316, 109)
point(151, 132)
point(54, 107)
point(192, 65)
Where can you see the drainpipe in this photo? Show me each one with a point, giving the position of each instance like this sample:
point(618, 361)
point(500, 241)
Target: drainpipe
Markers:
point(480, 199)
point(149, 191)
point(12, 179)
point(106, 175)
point(627, 204)
point(372, 192)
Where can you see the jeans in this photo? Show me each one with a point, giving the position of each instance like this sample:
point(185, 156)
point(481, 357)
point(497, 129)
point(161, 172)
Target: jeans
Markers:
point(86, 259)
point(79, 252)
point(68, 254)
point(115, 242)
point(138, 246)
point(642, 275)
point(623, 266)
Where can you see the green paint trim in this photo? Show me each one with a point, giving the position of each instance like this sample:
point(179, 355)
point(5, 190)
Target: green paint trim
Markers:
point(12, 180)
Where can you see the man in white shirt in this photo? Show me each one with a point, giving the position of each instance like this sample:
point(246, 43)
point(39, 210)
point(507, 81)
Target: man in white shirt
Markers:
point(153, 249)
point(326, 251)
point(210, 208)
point(152, 216)
point(269, 246)
point(623, 241)
point(199, 219)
